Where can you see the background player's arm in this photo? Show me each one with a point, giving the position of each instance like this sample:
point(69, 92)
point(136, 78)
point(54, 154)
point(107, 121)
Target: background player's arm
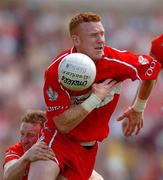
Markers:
point(145, 89)
point(76, 114)
point(133, 117)
point(15, 169)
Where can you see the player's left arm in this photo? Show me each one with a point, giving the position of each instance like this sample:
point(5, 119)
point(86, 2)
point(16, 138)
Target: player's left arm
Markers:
point(147, 70)
point(133, 118)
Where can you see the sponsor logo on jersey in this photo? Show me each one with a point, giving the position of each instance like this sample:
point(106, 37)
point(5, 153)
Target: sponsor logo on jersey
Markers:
point(75, 75)
point(143, 60)
point(54, 108)
point(73, 82)
point(150, 70)
point(51, 94)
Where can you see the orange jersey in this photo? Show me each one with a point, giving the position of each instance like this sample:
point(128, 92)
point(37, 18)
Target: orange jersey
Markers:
point(15, 152)
point(157, 48)
point(115, 64)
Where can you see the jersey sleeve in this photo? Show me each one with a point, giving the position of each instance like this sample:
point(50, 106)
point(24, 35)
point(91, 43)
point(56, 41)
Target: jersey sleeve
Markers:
point(142, 67)
point(11, 154)
point(56, 97)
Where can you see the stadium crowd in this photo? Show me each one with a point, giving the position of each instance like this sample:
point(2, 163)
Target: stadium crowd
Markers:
point(31, 35)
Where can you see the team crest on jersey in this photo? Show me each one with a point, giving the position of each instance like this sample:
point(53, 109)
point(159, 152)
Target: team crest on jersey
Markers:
point(51, 94)
point(142, 60)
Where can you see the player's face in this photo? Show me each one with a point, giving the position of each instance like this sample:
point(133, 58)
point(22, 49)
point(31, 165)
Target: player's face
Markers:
point(29, 134)
point(91, 39)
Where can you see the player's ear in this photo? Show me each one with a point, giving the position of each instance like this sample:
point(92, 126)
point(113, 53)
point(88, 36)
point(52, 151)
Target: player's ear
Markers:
point(75, 40)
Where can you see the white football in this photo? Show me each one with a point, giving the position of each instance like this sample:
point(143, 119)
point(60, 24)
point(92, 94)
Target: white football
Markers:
point(76, 71)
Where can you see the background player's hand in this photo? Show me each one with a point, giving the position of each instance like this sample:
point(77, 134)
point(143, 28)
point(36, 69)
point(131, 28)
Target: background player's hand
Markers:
point(101, 90)
point(39, 151)
point(132, 122)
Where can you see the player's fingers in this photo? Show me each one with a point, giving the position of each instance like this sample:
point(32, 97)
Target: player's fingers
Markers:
point(129, 132)
point(130, 129)
point(43, 145)
point(107, 81)
point(126, 126)
point(43, 156)
point(139, 127)
point(112, 82)
point(122, 117)
point(46, 151)
point(142, 123)
point(47, 156)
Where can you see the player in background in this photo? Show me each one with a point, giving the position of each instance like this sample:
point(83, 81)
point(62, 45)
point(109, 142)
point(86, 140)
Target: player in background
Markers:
point(156, 50)
point(78, 121)
point(19, 156)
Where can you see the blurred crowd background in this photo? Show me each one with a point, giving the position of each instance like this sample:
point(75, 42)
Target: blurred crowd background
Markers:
point(33, 32)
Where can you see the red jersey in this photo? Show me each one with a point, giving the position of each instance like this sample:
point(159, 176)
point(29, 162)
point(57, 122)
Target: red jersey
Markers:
point(115, 64)
point(15, 152)
point(157, 48)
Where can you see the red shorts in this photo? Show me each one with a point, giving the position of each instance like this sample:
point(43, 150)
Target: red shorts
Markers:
point(75, 161)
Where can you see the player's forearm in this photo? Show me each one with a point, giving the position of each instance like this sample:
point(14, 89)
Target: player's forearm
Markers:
point(146, 88)
point(75, 115)
point(70, 118)
point(14, 170)
point(142, 95)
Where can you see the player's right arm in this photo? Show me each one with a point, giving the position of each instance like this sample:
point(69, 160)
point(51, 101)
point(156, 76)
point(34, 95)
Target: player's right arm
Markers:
point(15, 168)
point(65, 115)
point(76, 114)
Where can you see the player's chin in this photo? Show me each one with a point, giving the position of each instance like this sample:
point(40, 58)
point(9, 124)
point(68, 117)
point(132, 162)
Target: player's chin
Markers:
point(99, 54)
point(97, 57)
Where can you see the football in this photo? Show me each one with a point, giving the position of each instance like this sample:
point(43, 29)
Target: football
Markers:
point(76, 71)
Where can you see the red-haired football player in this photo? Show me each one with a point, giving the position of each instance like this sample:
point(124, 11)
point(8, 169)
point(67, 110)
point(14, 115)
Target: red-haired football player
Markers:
point(78, 121)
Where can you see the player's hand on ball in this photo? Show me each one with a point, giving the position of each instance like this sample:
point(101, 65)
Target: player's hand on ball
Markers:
point(101, 90)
